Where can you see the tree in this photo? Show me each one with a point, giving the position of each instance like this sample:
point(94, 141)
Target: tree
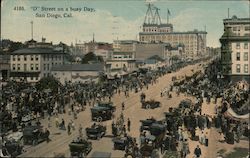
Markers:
point(89, 57)
point(48, 83)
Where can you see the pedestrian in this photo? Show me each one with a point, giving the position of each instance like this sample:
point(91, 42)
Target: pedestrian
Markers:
point(80, 131)
point(128, 124)
point(197, 152)
point(57, 122)
point(69, 128)
point(124, 129)
point(123, 106)
point(202, 138)
point(47, 133)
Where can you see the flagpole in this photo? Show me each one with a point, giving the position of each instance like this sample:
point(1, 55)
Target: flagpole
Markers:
point(167, 16)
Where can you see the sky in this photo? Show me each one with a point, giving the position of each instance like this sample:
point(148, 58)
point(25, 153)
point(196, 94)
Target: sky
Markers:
point(113, 19)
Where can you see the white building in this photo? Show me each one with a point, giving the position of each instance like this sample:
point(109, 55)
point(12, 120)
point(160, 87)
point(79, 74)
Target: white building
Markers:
point(152, 32)
point(35, 62)
point(121, 63)
point(235, 46)
point(77, 73)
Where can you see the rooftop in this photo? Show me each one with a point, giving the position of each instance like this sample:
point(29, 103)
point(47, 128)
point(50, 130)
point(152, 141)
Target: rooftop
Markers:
point(237, 20)
point(158, 25)
point(37, 50)
point(188, 32)
point(78, 67)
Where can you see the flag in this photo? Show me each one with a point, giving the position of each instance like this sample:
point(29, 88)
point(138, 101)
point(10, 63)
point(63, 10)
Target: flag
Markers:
point(169, 12)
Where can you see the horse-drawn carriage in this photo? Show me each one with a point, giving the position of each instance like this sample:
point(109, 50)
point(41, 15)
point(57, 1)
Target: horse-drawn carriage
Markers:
point(80, 148)
point(96, 131)
point(151, 104)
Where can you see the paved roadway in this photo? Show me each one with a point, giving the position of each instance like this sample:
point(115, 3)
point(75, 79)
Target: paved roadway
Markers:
point(60, 139)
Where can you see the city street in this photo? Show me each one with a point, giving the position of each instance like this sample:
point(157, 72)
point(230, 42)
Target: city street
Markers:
point(133, 110)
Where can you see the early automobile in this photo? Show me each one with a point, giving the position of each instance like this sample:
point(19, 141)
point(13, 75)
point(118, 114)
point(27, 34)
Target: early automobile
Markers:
point(107, 104)
point(95, 131)
point(145, 124)
point(120, 143)
point(33, 135)
point(11, 148)
point(151, 104)
point(100, 114)
point(80, 147)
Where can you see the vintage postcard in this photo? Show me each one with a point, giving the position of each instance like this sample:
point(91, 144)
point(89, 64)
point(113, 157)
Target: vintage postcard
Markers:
point(124, 78)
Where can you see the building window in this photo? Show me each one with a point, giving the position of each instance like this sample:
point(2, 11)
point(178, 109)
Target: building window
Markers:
point(245, 68)
point(31, 58)
point(238, 56)
point(14, 67)
point(237, 45)
point(234, 28)
point(14, 58)
point(31, 78)
point(245, 45)
point(24, 57)
point(37, 57)
point(18, 66)
point(238, 68)
point(36, 66)
point(47, 66)
point(44, 66)
point(36, 78)
point(247, 28)
point(18, 58)
point(25, 67)
point(31, 66)
point(245, 56)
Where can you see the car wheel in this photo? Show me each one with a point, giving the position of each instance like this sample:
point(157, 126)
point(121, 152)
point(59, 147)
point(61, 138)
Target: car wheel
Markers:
point(99, 119)
point(148, 106)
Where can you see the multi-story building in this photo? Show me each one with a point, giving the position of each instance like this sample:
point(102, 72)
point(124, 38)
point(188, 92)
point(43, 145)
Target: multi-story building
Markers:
point(152, 32)
point(77, 72)
point(33, 63)
point(4, 66)
point(235, 48)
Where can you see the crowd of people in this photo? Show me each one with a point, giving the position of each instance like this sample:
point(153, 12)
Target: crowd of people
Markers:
point(22, 99)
